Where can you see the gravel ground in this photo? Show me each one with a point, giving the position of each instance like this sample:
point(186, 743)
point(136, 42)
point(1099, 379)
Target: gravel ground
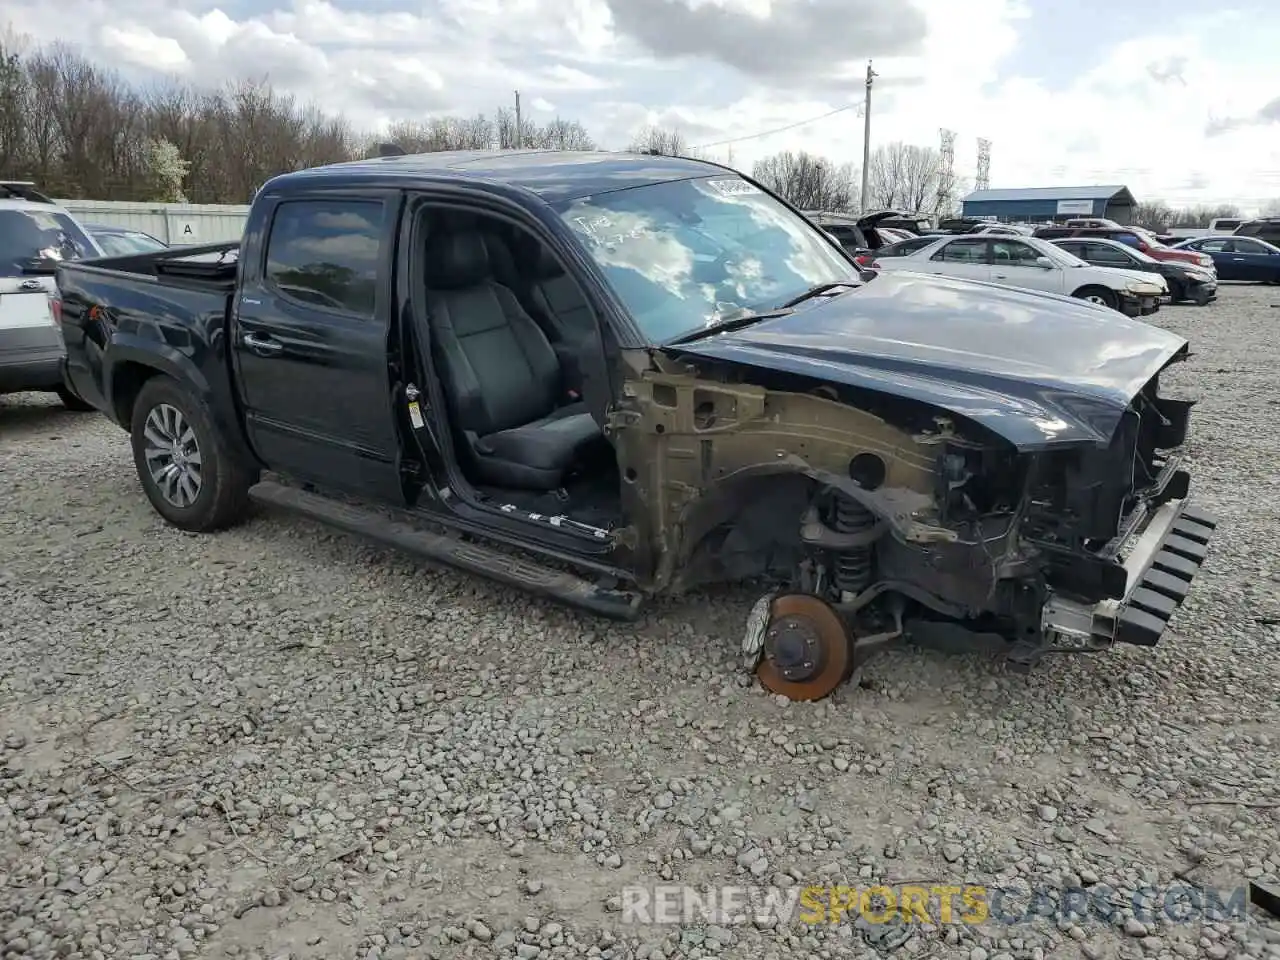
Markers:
point(278, 742)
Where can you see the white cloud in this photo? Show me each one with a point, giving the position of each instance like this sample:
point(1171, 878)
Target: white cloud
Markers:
point(1139, 113)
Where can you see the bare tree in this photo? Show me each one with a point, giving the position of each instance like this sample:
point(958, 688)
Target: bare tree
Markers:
point(1153, 214)
point(1202, 216)
point(564, 135)
point(79, 130)
point(806, 181)
point(1271, 208)
point(911, 178)
point(670, 143)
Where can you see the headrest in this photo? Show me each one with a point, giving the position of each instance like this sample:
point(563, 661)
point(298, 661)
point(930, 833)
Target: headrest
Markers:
point(546, 265)
point(456, 260)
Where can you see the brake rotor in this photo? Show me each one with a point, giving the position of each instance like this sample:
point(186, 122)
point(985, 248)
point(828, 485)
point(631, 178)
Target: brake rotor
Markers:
point(807, 651)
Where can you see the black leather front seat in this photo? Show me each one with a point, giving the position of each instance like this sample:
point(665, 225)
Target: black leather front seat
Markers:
point(560, 299)
point(499, 372)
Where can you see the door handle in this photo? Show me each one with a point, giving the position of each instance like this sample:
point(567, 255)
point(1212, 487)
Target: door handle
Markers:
point(262, 345)
point(1238, 259)
point(1000, 276)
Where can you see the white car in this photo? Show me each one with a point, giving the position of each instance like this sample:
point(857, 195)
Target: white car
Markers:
point(35, 235)
point(1032, 264)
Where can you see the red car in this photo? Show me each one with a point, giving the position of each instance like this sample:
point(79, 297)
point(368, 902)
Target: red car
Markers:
point(1136, 237)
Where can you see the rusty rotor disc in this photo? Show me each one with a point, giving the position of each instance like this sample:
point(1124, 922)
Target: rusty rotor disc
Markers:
point(807, 651)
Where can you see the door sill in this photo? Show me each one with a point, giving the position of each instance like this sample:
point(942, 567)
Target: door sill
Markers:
point(393, 528)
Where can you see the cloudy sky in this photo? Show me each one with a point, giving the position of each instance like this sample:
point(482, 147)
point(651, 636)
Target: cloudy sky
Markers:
point(1179, 99)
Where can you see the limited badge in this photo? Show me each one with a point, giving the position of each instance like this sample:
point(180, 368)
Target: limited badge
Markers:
point(415, 415)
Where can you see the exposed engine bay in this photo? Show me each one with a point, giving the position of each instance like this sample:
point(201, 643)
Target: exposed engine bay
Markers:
point(901, 521)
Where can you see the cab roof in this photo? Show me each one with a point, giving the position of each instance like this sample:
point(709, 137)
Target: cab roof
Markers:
point(552, 175)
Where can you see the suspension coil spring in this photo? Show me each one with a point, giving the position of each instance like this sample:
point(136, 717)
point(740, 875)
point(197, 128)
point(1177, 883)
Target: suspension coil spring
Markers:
point(852, 568)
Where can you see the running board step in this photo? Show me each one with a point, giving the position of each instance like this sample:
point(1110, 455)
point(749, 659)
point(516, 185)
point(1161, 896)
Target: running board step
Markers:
point(471, 557)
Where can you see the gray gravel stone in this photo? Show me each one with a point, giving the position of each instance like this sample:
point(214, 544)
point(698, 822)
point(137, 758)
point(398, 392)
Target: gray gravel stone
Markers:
point(398, 761)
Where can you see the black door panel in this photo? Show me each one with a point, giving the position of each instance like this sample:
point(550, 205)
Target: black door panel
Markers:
point(310, 346)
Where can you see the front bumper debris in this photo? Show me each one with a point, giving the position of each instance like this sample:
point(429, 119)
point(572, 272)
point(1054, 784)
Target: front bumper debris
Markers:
point(1160, 562)
point(1138, 305)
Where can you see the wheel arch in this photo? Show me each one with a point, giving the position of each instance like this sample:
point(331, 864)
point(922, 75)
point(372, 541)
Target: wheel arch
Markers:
point(1084, 288)
point(131, 368)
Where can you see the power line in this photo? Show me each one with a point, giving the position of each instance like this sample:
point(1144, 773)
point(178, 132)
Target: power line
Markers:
point(790, 126)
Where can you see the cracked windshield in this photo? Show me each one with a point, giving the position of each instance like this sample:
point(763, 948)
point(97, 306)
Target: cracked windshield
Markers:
point(691, 253)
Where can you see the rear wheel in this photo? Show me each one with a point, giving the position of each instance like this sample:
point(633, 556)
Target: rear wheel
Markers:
point(189, 474)
point(1099, 295)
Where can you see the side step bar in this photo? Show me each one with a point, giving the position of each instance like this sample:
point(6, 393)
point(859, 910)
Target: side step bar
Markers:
point(471, 557)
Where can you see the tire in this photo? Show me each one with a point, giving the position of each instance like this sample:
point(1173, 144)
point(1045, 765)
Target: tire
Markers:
point(1098, 295)
point(212, 491)
point(71, 401)
point(1177, 292)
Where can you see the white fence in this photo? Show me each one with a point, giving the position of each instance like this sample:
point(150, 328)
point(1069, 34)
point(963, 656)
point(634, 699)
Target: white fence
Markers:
point(174, 223)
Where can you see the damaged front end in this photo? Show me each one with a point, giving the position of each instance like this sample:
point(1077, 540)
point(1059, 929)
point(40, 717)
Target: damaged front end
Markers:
point(903, 520)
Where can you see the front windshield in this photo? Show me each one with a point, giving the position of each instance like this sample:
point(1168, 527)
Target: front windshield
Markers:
point(1054, 252)
point(1147, 236)
point(123, 244)
point(1135, 254)
point(687, 254)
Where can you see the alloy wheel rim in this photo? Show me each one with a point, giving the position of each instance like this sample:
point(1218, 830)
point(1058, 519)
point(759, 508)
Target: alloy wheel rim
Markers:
point(172, 455)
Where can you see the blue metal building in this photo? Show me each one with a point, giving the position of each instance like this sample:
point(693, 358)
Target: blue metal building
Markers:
point(1034, 204)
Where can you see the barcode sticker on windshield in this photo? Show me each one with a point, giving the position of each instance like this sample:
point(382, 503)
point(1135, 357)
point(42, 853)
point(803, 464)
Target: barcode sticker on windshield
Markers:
point(732, 188)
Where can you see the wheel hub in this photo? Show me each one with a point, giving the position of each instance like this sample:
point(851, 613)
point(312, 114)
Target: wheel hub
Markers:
point(172, 455)
point(807, 652)
point(795, 647)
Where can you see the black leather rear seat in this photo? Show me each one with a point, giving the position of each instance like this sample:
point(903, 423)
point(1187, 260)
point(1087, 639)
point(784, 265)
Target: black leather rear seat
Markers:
point(499, 372)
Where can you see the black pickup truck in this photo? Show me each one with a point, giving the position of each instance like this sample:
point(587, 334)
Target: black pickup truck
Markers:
point(603, 377)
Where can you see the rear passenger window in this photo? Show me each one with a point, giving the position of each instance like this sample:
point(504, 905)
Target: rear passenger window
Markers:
point(325, 253)
point(963, 251)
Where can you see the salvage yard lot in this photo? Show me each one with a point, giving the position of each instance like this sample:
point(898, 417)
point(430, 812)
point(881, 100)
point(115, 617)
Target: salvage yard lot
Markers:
point(418, 763)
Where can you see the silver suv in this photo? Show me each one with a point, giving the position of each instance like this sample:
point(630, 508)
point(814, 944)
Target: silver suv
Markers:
point(35, 234)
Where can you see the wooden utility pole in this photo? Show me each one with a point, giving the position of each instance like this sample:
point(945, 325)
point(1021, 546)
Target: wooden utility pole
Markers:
point(519, 128)
point(866, 137)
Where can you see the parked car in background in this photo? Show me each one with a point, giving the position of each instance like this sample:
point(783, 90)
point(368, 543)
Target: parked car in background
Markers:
point(975, 225)
point(914, 225)
point(1221, 227)
point(35, 236)
point(121, 241)
point(1187, 281)
point(1094, 222)
point(857, 234)
point(1239, 258)
point(1264, 228)
point(904, 247)
point(1003, 230)
point(464, 355)
point(1033, 264)
point(892, 235)
point(1135, 237)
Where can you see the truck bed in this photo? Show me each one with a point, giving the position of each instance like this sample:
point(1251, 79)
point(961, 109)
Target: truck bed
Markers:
point(210, 266)
point(170, 306)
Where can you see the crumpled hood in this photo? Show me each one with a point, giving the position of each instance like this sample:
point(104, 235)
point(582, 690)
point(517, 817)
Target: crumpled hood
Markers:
point(1136, 276)
point(1040, 370)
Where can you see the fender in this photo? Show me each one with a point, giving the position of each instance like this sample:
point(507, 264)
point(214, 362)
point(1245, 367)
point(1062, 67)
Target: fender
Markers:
point(220, 402)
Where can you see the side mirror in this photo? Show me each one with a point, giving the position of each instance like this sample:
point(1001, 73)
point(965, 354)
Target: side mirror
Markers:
point(1045, 262)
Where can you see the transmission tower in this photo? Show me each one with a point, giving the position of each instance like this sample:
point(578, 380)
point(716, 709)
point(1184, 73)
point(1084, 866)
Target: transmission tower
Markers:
point(983, 179)
point(946, 171)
